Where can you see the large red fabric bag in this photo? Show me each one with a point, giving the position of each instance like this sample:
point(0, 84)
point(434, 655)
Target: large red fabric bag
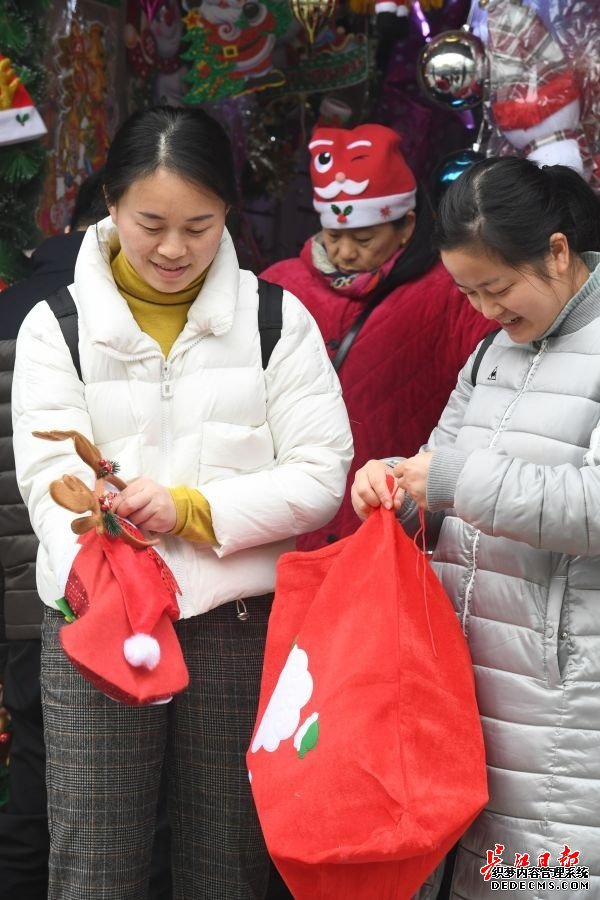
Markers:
point(367, 759)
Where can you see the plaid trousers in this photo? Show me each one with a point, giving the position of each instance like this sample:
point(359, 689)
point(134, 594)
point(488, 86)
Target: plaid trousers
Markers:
point(104, 763)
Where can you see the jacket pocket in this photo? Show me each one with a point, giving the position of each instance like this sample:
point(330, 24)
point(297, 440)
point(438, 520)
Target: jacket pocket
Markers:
point(556, 595)
point(242, 448)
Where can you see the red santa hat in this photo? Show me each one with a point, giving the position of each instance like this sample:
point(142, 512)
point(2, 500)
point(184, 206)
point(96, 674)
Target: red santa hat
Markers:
point(123, 640)
point(359, 176)
point(20, 121)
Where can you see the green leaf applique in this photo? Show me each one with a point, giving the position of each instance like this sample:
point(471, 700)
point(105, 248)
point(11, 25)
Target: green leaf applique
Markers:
point(307, 736)
point(66, 609)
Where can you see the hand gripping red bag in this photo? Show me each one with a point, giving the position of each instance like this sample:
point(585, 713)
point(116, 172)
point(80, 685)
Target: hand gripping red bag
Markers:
point(367, 759)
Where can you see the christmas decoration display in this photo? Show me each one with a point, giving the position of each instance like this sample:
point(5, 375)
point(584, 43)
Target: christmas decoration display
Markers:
point(22, 164)
point(336, 60)
point(82, 106)
point(536, 96)
point(367, 721)
point(312, 14)
point(352, 173)
point(120, 596)
point(575, 25)
point(230, 47)
point(427, 129)
point(154, 42)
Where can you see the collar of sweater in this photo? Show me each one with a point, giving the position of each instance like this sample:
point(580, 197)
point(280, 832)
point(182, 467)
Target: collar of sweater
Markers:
point(584, 306)
point(137, 291)
point(105, 314)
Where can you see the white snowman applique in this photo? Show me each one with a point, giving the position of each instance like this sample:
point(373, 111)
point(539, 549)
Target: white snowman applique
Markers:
point(282, 716)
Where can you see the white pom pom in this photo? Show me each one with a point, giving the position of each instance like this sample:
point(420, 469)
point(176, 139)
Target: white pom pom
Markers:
point(142, 650)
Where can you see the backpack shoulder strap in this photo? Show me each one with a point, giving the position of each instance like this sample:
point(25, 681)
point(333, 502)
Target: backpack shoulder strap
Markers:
point(270, 317)
point(63, 306)
point(488, 339)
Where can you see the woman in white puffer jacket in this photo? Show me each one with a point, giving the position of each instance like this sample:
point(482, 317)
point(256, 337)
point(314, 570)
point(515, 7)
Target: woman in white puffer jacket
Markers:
point(226, 462)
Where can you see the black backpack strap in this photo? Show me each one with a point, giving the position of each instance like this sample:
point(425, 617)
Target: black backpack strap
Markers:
point(349, 338)
point(488, 339)
point(346, 343)
point(63, 306)
point(270, 317)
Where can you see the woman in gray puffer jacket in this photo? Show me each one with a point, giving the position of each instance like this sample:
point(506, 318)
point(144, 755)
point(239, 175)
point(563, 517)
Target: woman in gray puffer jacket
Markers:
point(514, 468)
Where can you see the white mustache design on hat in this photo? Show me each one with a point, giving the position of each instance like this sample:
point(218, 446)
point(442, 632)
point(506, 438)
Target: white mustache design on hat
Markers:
point(341, 187)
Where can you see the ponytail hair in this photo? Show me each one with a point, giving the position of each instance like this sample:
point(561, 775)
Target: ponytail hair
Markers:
point(512, 207)
point(420, 253)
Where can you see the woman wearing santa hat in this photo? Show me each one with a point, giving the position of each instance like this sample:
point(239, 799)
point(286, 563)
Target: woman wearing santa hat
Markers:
point(395, 325)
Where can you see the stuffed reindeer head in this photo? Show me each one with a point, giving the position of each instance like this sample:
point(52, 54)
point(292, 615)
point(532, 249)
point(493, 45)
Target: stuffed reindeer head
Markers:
point(71, 493)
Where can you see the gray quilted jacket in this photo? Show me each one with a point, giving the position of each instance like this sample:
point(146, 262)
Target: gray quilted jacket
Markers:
point(517, 470)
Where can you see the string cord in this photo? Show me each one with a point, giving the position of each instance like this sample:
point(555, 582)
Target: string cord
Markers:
point(421, 569)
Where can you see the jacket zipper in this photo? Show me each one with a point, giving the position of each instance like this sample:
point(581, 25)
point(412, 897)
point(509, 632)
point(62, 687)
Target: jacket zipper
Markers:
point(166, 443)
point(477, 536)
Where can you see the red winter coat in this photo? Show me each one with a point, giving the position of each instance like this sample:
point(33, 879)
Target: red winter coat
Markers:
point(401, 367)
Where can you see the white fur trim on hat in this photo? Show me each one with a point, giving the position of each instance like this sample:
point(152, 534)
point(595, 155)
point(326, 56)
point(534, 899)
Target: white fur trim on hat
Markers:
point(362, 213)
point(21, 123)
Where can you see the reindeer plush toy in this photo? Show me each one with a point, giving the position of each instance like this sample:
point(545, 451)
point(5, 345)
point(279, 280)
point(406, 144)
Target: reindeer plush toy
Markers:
point(121, 597)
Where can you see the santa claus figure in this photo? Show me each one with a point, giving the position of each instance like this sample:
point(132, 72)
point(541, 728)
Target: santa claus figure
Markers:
point(244, 33)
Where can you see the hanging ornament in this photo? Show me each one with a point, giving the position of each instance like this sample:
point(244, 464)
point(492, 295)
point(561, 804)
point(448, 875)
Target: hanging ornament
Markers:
point(312, 14)
point(450, 168)
point(453, 70)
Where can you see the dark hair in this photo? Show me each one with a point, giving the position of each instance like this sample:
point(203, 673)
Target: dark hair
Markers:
point(90, 205)
point(512, 207)
point(420, 253)
point(188, 142)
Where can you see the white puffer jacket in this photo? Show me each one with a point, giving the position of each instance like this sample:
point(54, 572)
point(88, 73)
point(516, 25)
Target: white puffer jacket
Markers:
point(268, 449)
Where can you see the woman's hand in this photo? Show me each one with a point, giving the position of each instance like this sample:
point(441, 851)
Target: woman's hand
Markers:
point(147, 504)
point(370, 489)
point(412, 476)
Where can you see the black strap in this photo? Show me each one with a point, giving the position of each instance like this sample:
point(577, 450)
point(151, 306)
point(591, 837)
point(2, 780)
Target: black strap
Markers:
point(270, 317)
point(63, 306)
point(270, 320)
point(350, 337)
point(488, 339)
point(344, 348)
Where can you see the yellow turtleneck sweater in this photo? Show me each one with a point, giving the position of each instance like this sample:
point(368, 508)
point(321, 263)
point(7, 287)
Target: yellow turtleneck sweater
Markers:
point(163, 317)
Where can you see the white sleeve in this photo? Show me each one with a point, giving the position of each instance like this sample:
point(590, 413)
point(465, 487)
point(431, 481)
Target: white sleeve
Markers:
point(47, 395)
point(313, 446)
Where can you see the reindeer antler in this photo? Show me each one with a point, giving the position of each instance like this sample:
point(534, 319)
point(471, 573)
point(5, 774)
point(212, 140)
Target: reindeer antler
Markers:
point(74, 495)
point(88, 452)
